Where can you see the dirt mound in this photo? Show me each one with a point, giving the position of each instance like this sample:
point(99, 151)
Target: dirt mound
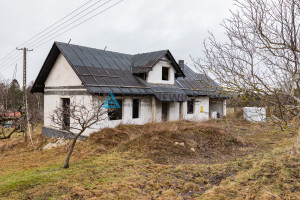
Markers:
point(184, 142)
point(107, 139)
point(166, 143)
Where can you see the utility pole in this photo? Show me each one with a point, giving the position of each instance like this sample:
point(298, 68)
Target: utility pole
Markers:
point(25, 109)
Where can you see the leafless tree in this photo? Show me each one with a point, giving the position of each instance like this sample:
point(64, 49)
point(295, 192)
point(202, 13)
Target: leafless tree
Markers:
point(17, 125)
point(4, 90)
point(260, 59)
point(76, 117)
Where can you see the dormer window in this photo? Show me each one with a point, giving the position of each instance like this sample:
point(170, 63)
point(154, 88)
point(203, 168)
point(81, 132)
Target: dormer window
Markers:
point(142, 76)
point(165, 73)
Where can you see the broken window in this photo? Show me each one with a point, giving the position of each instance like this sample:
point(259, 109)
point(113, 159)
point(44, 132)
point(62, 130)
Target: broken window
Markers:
point(165, 73)
point(190, 107)
point(135, 108)
point(116, 113)
point(66, 113)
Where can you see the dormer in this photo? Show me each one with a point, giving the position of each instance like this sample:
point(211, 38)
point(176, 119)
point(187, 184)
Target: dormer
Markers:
point(157, 67)
point(163, 72)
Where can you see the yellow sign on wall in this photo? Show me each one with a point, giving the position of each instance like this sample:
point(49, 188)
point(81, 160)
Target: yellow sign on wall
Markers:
point(201, 109)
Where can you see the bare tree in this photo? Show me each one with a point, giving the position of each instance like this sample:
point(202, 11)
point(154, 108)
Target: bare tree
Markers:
point(76, 117)
point(260, 60)
point(16, 118)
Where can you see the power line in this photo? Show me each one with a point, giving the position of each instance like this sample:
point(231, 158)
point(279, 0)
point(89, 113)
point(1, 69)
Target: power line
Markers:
point(40, 43)
point(7, 55)
point(35, 47)
point(13, 56)
point(46, 29)
point(16, 58)
point(41, 37)
point(68, 15)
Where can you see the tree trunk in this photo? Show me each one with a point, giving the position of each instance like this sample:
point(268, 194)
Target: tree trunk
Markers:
point(70, 152)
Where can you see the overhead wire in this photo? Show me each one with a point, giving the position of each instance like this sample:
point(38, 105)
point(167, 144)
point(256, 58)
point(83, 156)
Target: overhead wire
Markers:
point(13, 52)
point(42, 42)
point(36, 45)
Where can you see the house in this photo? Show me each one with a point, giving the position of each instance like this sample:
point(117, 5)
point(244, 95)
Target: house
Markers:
point(149, 86)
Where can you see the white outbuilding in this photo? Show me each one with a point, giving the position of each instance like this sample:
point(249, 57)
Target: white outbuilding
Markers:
point(254, 114)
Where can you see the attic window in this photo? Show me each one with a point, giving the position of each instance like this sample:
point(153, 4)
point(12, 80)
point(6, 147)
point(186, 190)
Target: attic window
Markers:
point(165, 73)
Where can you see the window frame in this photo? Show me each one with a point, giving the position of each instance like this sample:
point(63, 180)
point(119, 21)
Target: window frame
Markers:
point(112, 116)
point(189, 103)
point(65, 103)
point(136, 108)
point(164, 73)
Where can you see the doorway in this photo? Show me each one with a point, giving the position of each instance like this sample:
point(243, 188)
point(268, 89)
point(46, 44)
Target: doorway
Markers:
point(164, 109)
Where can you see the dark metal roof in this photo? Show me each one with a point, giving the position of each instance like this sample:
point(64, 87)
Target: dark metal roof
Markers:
point(102, 72)
point(143, 63)
point(195, 84)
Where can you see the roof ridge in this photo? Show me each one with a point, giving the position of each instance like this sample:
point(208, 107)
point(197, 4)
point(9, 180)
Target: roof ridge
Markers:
point(57, 42)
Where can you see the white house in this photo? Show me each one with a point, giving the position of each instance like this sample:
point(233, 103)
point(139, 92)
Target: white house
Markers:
point(149, 87)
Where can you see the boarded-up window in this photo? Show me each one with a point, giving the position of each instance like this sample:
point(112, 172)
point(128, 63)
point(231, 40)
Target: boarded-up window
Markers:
point(165, 73)
point(190, 107)
point(135, 108)
point(116, 113)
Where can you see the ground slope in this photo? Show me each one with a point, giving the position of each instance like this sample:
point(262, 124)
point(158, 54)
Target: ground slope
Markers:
point(232, 159)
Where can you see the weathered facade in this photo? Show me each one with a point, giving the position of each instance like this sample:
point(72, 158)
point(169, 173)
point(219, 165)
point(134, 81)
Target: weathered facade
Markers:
point(150, 87)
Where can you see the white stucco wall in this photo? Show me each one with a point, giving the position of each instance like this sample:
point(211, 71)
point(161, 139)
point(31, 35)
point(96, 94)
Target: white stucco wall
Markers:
point(174, 111)
point(62, 74)
point(53, 101)
point(158, 116)
point(155, 76)
point(197, 115)
point(217, 106)
point(145, 115)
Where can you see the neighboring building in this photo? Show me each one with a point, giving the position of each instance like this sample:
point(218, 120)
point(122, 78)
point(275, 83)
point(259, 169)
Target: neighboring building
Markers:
point(149, 87)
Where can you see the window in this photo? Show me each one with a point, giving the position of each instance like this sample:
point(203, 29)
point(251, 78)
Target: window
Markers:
point(165, 73)
point(116, 113)
point(66, 113)
point(142, 76)
point(135, 108)
point(190, 107)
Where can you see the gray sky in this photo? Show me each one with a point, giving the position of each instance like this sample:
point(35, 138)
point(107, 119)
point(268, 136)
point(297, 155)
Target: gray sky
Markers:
point(134, 26)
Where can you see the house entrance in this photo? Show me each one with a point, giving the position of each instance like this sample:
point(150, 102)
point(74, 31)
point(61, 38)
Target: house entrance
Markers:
point(165, 107)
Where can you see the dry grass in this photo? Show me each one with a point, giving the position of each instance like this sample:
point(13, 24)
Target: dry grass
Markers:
point(233, 160)
point(203, 143)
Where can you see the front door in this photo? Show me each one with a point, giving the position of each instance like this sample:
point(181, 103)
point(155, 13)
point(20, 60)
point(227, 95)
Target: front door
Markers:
point(165, 107)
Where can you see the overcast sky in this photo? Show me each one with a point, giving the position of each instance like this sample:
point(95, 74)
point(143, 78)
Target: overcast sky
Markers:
point(133, 26)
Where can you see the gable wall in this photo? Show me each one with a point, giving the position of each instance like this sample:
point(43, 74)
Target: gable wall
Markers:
point(155, 76)
point(62, 74)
